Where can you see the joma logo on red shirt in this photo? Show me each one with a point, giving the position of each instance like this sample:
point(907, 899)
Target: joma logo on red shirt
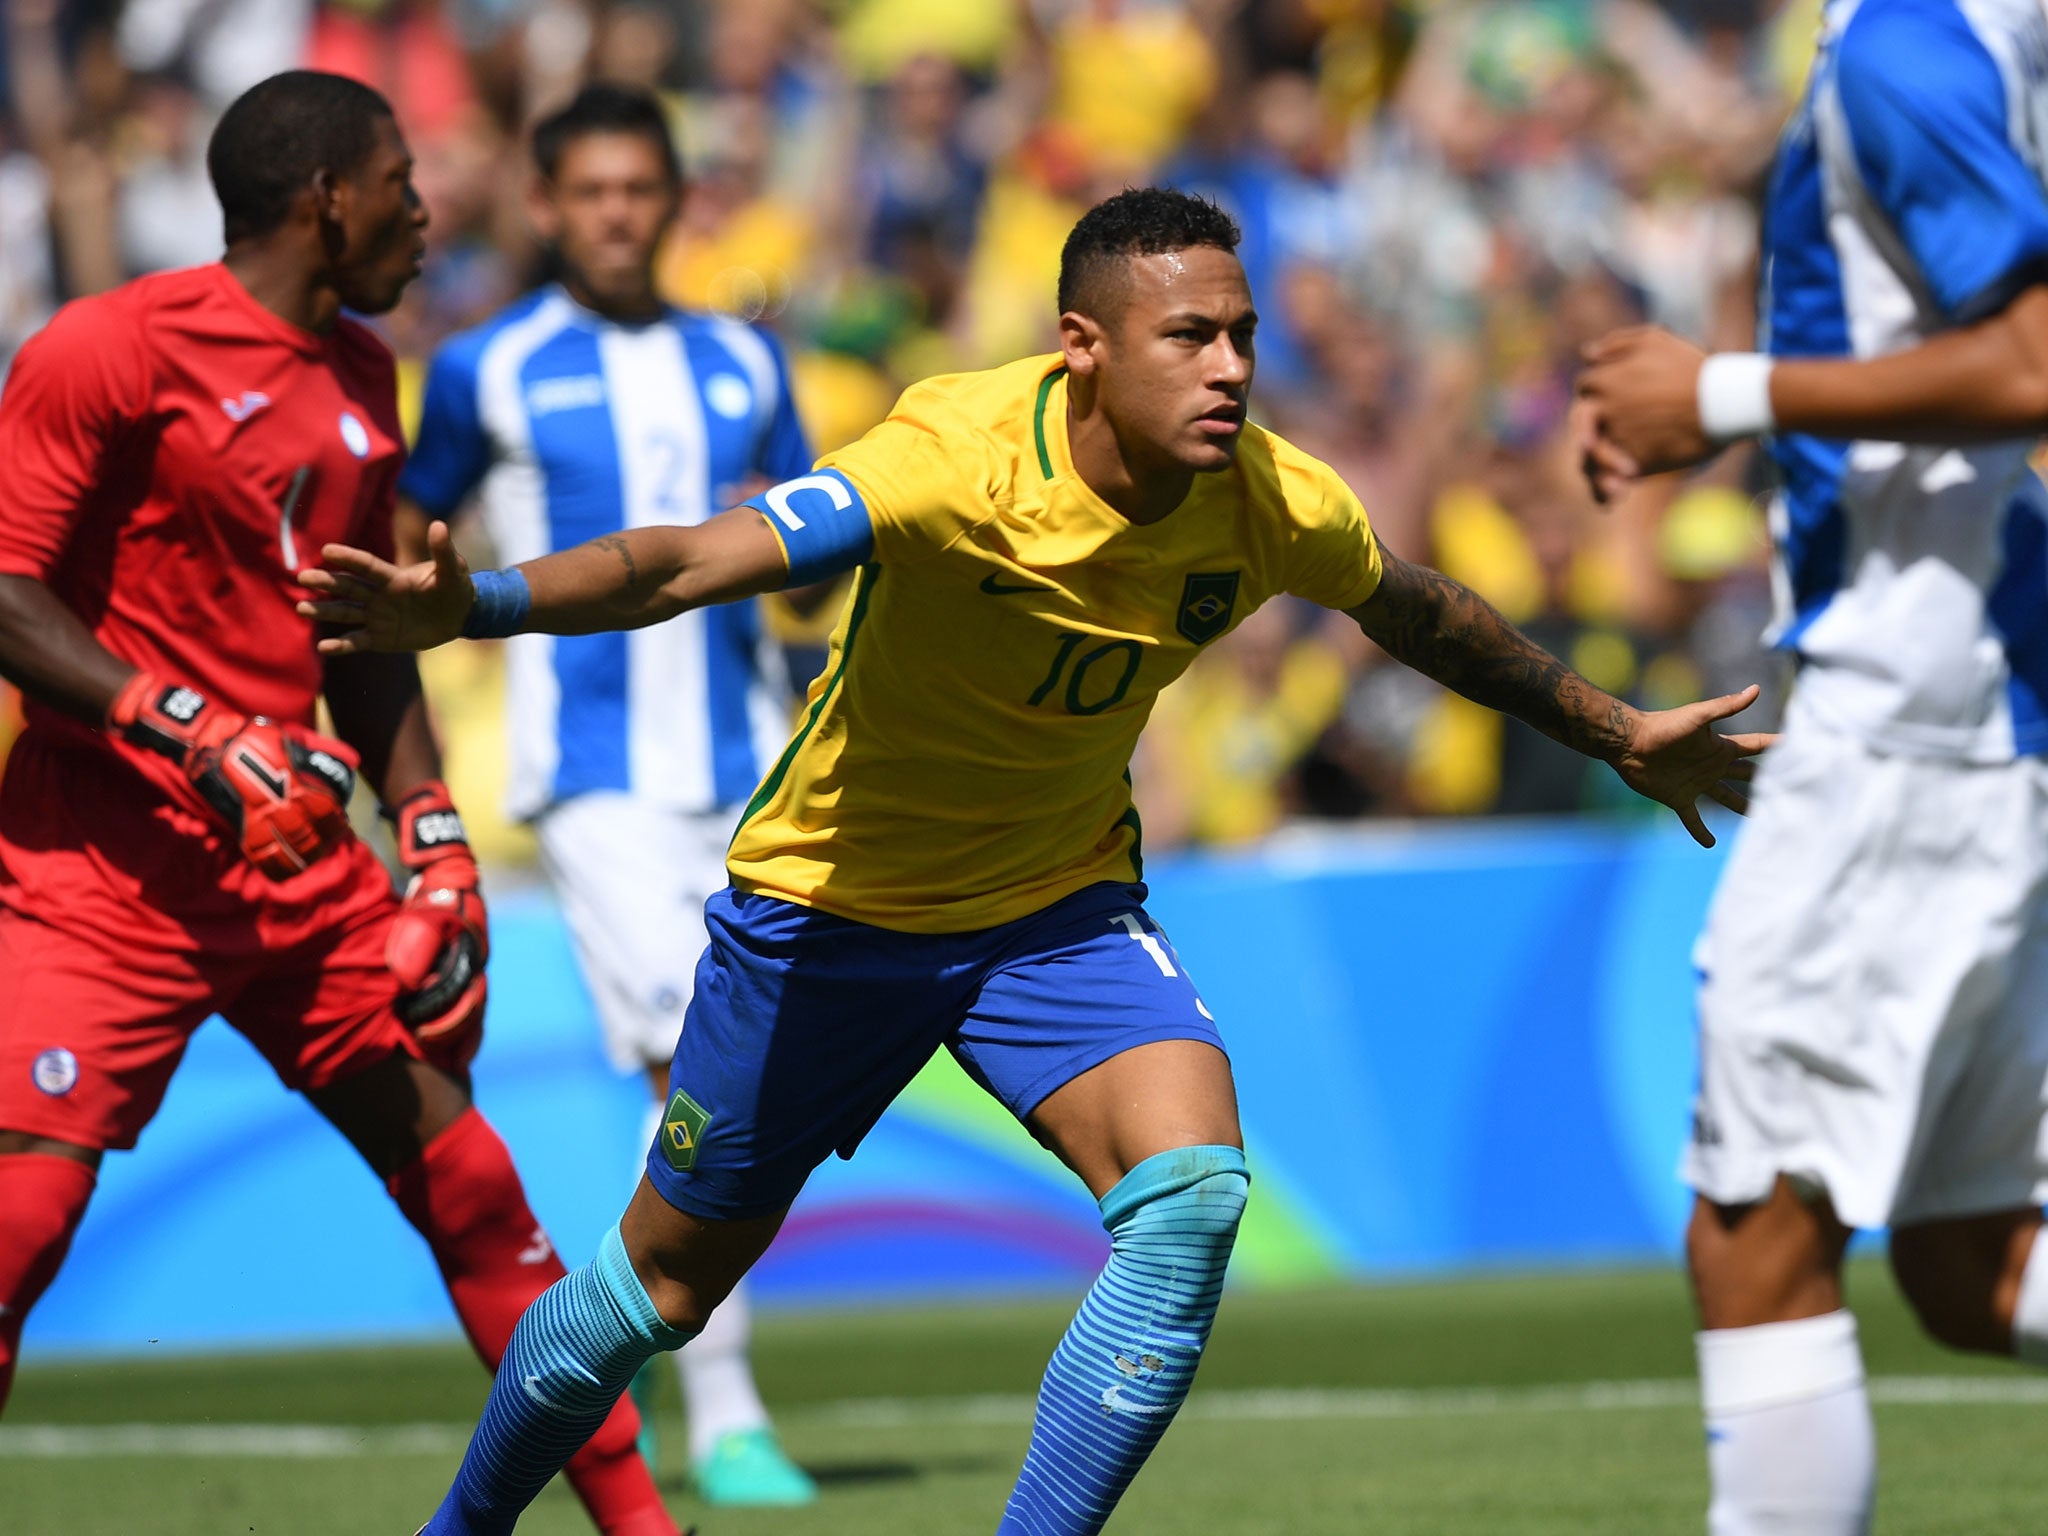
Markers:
point(252, 401)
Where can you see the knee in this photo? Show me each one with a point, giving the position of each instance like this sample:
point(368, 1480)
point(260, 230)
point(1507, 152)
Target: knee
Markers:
point(1953, 1291)
point(1773, 1261)
point(683, 1305)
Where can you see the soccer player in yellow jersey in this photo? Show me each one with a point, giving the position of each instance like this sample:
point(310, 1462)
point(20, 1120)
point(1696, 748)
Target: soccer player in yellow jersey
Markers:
point(946, 854)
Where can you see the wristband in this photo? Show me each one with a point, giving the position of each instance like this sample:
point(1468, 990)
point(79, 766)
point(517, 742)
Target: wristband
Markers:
point(1735, 396)
point(502, 600)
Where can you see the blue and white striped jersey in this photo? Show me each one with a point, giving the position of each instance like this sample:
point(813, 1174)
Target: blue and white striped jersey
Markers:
point(577, 426)
point(1907, 200)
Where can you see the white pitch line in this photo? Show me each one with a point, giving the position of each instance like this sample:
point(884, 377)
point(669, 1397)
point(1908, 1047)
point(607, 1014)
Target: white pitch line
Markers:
point(1283, 1404)
point(290, 1442)
point(339, 1441)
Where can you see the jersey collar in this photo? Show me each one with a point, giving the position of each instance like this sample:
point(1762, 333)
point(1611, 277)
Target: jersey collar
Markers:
point(586, 316)
point(298, 338)
point(1055, 458)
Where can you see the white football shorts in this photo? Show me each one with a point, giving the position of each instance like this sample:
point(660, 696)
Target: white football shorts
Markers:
point(632, 878)
point(1874, 986)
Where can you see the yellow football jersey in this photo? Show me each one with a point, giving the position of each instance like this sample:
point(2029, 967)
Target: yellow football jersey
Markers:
point(963, 759)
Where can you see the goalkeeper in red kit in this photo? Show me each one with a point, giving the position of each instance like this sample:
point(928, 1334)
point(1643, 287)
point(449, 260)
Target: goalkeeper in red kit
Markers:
point(172, 834)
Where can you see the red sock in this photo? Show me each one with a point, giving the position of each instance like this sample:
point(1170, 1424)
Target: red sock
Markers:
point(41, 1200)
point(464, 1196)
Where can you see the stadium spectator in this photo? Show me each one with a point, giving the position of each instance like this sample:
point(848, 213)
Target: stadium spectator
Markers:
point(1439, 202)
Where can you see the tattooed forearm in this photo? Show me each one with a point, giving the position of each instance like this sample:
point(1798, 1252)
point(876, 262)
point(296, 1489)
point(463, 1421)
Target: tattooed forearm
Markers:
point(616, 543)
point(1449, 632)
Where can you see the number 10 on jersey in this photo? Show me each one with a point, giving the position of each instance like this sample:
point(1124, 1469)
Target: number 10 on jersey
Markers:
point(1087, 694)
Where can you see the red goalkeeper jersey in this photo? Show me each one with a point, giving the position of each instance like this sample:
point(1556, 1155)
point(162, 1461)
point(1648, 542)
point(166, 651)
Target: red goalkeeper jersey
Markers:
point(173, 454)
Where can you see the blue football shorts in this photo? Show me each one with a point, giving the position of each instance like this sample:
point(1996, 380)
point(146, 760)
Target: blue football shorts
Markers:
point(803, 1026)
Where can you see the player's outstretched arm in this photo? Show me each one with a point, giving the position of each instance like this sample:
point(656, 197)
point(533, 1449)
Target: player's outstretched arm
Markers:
point(1448, 632)
point(621, 581)
point(1656, 402)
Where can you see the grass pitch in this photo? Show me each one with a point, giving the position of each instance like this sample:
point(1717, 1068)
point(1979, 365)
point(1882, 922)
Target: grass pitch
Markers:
point(1509, 1406)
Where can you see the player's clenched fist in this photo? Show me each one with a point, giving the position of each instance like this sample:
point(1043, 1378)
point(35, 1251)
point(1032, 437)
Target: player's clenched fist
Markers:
point(280, 790)
point(1640, 408)
point(441, 936)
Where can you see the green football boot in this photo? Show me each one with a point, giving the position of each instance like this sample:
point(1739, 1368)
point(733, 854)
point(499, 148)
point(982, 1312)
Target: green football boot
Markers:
point(749, 1467)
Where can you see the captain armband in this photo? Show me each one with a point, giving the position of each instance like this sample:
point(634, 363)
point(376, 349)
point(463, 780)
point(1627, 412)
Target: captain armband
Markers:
point(822, 523)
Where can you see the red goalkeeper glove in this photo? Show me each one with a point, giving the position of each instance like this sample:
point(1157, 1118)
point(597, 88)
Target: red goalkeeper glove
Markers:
point(280, 790)
point(441, 936)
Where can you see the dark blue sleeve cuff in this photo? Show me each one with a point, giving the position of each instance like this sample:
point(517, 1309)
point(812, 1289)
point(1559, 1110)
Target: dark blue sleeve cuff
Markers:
point(502, 601)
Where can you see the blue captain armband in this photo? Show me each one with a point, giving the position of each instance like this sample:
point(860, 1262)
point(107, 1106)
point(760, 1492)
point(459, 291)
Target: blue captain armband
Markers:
point(502, 600)
point(822, 523)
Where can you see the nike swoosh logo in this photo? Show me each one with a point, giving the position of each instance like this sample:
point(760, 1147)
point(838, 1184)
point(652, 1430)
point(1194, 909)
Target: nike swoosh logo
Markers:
point(252, 401)
point(1113, 1403)
point(532, 1384)
point(995, 588)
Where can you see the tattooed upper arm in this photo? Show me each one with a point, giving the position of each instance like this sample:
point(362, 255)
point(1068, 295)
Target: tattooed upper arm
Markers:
point(1405, 608)
point(1448, 632)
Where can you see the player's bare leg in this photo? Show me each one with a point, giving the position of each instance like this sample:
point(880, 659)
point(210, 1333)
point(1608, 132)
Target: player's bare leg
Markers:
point(46, 1184)
point(1172, 1093)
point(1154, 1134)
point(736, 1458)
point(1973, 1283)
point(1776, 1261)
point(452, 1177)
point(687, 1264)
point(1790, 1446)
point(391, 1112)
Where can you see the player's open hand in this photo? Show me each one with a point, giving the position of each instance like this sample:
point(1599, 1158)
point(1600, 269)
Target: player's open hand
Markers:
point(384, 607)
point(1677, 758)
point(1640, 388)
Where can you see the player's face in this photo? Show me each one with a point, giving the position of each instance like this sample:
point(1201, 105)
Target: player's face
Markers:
point(604, 211)
point(383, 223)
point(1175, 370)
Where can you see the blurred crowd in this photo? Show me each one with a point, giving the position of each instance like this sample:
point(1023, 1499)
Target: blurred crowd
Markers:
point(1441, 201)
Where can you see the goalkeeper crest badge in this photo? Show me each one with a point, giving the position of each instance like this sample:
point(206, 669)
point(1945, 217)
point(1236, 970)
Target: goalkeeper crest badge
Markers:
point(682, 1130)
point(55, 1071)
point(1207, 600)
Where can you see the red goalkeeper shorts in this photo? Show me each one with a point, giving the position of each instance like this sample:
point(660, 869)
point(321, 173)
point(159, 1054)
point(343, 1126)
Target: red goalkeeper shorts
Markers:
point(124, 926)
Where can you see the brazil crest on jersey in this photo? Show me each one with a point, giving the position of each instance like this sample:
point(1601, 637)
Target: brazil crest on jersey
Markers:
point(963, 760)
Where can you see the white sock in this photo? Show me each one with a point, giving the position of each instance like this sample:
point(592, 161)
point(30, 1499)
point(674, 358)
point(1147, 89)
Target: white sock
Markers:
point(1790, 1449)
point(718, 1381)
point(2030, 1313)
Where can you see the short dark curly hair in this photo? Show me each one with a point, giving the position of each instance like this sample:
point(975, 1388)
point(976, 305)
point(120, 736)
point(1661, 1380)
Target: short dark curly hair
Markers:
point(277, 134)
point(605, 108)
point(1138, 221)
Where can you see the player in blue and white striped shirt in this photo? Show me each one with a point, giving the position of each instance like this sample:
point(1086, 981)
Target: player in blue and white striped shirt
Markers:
point(587, 408)
point(1874, 995)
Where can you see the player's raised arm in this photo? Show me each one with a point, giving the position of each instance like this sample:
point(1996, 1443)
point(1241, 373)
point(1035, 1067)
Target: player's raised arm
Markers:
point(623, 580)
point(1448, 632)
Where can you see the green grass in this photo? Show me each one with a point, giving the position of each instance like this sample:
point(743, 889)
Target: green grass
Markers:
point(943, 1467)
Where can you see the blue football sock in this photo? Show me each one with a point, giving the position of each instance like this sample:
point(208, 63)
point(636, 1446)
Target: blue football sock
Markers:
point(570, 1358)
point(1125, 1365)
